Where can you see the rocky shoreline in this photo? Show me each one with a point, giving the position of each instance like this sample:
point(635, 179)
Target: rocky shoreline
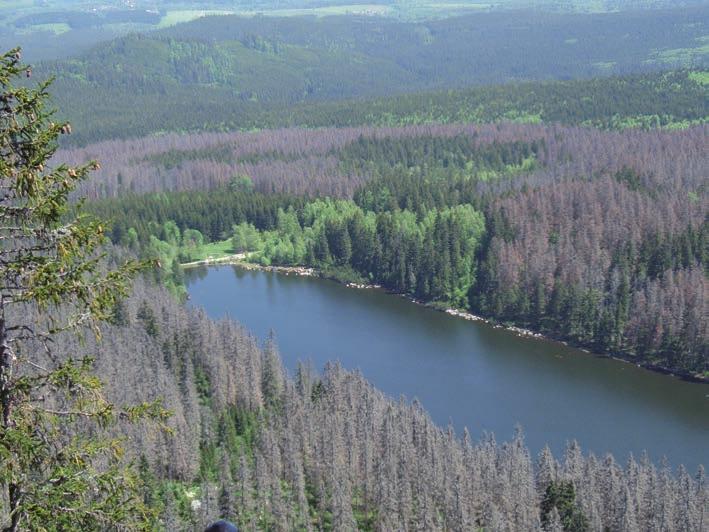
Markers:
point(238, 260)
point(299, 271)
point(312, 272)
point(519, 331)
point(362, 286)
point(211, 261)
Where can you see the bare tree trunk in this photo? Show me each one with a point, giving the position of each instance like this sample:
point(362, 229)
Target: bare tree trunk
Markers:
point(14, 497)
point(6, 361)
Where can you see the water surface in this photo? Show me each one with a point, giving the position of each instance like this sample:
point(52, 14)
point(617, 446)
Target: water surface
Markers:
point(467, 373)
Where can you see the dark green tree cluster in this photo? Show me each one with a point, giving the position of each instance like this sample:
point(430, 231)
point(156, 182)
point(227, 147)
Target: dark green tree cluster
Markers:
point(460, 155)
point(421, 173)
point(430, 257)
point(212, 213)
point(559, 507)
point(647, 101)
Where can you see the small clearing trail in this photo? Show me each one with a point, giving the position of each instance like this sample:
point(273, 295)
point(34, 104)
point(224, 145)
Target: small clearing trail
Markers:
point(236, 258)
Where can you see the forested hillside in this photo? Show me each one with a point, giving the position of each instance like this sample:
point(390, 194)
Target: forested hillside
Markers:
point(673, 99)
point(599, 238)
point(224, 73)
point(541, 169)
point(335, 162)
point(53, 29)
point(329, 452)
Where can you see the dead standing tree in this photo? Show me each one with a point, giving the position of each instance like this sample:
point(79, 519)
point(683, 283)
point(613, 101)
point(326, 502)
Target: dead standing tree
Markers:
point(51, 261)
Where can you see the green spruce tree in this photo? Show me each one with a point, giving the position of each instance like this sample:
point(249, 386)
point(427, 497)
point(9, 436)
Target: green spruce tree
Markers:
point(59, 469)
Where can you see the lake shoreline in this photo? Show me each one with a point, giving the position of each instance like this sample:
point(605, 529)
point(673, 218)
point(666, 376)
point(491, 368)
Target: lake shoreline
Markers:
point(301, 271)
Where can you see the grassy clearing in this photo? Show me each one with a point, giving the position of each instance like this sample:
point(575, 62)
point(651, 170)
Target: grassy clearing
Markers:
point(354, 9)
point(56, 28)
point(187, 15)
point(604, 66)
point(9, 5)
point(684, 56)
point(215, 250)
point(426, 10)
point(442, 6)
point(701, 77)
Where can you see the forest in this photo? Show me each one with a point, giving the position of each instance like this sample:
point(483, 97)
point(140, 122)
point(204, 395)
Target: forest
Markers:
point(57, 29)
point(540, 168)
point(276, 72)
point(510, 221)
point(327, 451)
point(669, 99)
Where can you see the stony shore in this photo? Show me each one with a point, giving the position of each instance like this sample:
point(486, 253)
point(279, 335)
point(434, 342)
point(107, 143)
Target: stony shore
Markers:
point(238, 260)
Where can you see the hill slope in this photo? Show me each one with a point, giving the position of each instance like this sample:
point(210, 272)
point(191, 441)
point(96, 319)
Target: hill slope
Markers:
point(217, 72)
point(330, 452)
point(672, 99)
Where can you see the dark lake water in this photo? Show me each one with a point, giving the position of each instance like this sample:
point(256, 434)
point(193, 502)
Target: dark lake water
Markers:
point(467, 373)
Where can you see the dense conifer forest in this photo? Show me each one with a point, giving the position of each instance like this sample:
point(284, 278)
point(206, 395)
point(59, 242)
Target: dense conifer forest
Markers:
point(668, 99)
point(225, 73)
point(508, 221)
point(329, 452)
point(543, 168)
point(53, 29)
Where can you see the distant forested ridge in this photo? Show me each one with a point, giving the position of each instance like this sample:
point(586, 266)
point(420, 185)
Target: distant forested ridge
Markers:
point(671, 99)
point(53, 29)
point(330, 452)
point(226, 73)
point(595, 237)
